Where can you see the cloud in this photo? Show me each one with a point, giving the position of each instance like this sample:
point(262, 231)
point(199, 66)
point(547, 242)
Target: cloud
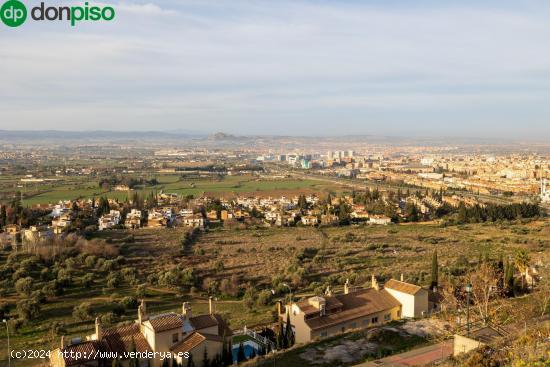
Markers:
point(244, 63)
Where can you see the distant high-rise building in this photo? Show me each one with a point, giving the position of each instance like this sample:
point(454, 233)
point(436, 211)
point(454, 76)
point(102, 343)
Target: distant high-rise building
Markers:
point(329, 155)
point(350, 153)
point(544, 193)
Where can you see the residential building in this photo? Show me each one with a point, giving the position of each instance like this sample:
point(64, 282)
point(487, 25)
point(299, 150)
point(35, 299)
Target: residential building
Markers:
point(180, 334)
point(133, 219)
point(110, 220)
point(413, 298)
point(321, 317)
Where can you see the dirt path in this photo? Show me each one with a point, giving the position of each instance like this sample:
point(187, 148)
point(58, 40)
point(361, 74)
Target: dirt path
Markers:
point(416, 357)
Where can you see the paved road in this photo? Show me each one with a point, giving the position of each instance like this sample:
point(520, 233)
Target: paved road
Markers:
point(415, 357)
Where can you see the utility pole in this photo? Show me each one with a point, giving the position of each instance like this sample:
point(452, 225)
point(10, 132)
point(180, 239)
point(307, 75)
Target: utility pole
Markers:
point(8, 334)
point(468, 291)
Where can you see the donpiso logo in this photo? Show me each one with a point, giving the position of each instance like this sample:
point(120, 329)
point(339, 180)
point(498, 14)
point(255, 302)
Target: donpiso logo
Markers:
point(14, 13)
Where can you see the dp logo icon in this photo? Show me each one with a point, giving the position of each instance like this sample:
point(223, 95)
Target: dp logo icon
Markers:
point(13, 13)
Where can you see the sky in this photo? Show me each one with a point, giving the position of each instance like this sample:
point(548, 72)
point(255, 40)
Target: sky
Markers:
point(285, 67)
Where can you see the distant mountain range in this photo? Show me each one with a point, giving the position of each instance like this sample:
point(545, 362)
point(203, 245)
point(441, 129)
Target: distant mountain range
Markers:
point(221, 138)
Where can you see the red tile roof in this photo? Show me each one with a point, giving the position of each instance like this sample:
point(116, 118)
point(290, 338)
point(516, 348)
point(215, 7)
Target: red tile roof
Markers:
point(402, 286)
point(167, 321)
point(193, 340)
point(355, 305)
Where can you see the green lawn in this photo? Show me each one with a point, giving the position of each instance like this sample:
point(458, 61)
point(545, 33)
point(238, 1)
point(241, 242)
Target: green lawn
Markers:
point(77, 188)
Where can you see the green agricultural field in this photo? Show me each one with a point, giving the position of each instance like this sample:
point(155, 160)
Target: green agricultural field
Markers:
point(72, 188)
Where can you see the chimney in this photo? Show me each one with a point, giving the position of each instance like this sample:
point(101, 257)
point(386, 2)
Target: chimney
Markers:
point(140, 314)
point(346, 287)
point(143, 307)
point(374, 283)
point(279, 307)
point(98, 331)
point(210, 305)
point(186, 310)
point(402, 278)
point(62, 342)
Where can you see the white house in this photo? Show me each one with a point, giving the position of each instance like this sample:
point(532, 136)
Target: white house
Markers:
point(413, 299)
point(109, 220)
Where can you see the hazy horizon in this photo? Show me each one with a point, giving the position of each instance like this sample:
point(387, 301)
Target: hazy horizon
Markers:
point(287, 68)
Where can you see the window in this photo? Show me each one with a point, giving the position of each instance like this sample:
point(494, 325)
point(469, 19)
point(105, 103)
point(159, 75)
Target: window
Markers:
point(365, 321)
point(353, 326)
point(323, 334)
point(374, 320)
point(343, 328)
point(399, 314)
point(387, 317)
point(175, 338)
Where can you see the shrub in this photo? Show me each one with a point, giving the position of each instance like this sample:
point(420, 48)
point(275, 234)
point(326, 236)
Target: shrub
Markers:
point(24, 286)
point(129, 303)
point(83, 311)
point(264, 297)
point(28, 309)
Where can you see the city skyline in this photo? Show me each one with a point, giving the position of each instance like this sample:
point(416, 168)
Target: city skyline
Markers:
point(291, 68)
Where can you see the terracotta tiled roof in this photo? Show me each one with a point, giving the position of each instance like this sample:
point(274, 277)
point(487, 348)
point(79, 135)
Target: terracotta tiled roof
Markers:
point(88, 350)
point(402, 286)
point(193, 340)
point(355, 305)
point(120, 339)
point(210, 320)
point(167, 321)
point(331, 303)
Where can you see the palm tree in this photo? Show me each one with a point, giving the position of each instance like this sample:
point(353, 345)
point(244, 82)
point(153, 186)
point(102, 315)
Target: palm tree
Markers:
point(521, 260)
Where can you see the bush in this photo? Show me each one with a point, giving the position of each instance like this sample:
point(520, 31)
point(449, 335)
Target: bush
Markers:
point(90, 261)
point(83, 311)
point(113, 280)
point(129, 303)
point(109, 318)
point(28, 309)
point(52, 288)
point(88, 280)
point(24, 286)
point(264, 297)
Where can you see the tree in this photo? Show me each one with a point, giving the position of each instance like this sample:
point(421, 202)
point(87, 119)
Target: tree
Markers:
point(485, 289)
point(28, 309)
point(3, 216)
point(289, 334)
point(83, 311)
point(411, 212)
point(435, 271)
point(521, 259)
point(227, 356)
point(205, 362)
point(281, 340)
point(134, 361)
point(116, 363)
point(509, 279)
point(241, 357)
point(190, 362)
point(24, 286)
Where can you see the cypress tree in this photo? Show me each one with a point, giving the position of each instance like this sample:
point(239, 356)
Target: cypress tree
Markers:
point(205, 358)
point(289, 335)
point(435, 271)
point(190, 362)
point(241, 357)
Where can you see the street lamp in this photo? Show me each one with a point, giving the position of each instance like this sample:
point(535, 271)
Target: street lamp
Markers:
point(8, 333)
point(290, 290)
point(468, 289)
